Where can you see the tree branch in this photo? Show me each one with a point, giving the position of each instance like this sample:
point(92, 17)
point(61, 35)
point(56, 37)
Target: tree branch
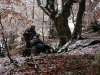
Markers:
point(43, 8)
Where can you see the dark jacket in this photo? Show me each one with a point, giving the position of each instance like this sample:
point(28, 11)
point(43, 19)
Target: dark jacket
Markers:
point(29, 34)
point(40, 45)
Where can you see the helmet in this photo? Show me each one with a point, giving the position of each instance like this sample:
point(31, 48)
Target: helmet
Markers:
point(33, 26)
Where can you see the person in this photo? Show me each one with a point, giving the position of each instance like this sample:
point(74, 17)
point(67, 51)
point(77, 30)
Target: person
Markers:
point(39, 45)
point(28, 34)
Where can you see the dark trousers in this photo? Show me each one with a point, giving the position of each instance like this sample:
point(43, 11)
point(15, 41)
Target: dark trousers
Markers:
point(27, 51)
point(28, 46)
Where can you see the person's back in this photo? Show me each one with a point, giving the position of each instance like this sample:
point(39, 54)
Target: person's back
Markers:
point(39, 45)
point(35, 41)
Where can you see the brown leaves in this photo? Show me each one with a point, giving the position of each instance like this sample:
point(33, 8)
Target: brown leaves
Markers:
point(7, 1)
point(60, 64)
point(55, 64)
point(18, 0)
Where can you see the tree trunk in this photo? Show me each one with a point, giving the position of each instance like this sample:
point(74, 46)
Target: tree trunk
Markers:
point(60, 19)
point(62, 29)
point(61, 23)
point(78, 26)
point(53, 31)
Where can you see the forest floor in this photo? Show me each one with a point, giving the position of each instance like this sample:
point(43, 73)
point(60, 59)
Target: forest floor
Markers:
point(79, 60)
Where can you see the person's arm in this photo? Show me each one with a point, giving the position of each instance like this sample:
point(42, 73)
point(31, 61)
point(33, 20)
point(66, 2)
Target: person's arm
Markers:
point(27, 32)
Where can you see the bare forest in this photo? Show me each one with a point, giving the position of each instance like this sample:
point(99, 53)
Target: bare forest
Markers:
point(70, 29)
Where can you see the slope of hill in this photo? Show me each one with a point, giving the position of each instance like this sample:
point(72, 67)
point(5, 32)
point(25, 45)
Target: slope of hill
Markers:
point(79, 60)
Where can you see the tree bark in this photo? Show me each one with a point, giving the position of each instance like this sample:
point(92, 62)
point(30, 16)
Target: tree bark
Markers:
point(78, 26)
point(61, 22)
point(60, 19)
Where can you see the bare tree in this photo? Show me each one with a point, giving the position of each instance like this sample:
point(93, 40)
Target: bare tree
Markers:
point(5, 42)
point(60, 18)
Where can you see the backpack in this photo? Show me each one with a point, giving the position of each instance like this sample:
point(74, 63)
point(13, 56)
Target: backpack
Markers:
point(40, 46)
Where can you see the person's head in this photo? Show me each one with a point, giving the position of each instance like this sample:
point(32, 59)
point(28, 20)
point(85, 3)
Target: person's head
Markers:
point(33, 27)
